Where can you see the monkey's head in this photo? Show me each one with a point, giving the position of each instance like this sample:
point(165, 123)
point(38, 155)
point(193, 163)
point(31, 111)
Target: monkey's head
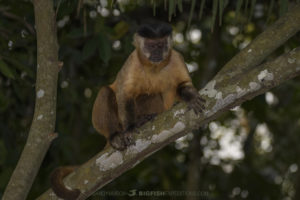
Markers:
point(154, 41)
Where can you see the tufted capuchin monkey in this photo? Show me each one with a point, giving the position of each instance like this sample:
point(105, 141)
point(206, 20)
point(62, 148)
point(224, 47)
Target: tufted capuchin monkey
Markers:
point(151, 80)
point(153, 77)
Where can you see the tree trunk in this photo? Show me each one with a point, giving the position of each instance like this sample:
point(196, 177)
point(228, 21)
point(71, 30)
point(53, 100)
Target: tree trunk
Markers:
point(42, 128)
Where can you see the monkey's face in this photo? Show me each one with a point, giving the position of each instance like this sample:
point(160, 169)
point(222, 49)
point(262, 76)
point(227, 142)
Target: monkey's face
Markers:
point(156, 50)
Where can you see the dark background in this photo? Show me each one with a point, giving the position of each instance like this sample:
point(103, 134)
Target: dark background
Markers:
point(251, 152)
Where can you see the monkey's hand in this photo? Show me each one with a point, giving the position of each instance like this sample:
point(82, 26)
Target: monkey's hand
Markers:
point(190, 95)
point(197, 104)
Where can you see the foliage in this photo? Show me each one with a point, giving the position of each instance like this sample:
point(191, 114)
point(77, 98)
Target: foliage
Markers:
point(95, 40)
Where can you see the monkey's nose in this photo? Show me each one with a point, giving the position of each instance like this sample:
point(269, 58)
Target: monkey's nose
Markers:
point(156, 55)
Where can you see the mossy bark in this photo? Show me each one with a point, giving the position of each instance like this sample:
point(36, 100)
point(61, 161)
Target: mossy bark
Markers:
point(42, 128)
point(169, 126)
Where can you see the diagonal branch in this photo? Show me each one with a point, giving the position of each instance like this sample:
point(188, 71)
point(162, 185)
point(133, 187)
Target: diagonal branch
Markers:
point(240, 79)
point(17, 18)
point(109, 164)
point(264, 44)
point(42, 128)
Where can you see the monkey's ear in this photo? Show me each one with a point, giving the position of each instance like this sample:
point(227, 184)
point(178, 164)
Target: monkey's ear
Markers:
point(154, 29)
point(136, 40)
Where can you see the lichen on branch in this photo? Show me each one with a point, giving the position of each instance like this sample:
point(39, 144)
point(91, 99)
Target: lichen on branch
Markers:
point(167, 127)
point(241, 79)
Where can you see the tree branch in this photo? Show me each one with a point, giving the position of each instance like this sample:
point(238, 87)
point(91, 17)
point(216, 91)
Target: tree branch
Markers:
point(240, 80)
point(42, 128)
point(169, 126)
point(17, 18)
point(263, 45)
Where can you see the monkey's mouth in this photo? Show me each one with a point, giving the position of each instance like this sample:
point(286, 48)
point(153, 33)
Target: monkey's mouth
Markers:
point(156, 57)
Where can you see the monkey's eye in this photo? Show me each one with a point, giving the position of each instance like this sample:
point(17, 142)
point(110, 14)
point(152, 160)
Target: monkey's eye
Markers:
point(157, 45)
point(151, 46)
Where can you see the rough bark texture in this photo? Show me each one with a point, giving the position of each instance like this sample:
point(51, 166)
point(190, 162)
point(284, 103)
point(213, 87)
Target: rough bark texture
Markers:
point(42, 128)
point(194, 165)
point(240, 79)
point(169, 126)
point(264, 44)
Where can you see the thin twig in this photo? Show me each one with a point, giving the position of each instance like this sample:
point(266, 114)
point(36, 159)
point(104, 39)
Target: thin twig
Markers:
point(19, 19)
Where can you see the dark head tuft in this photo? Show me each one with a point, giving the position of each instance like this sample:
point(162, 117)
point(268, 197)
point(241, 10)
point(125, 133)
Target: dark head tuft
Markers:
point(154, 30)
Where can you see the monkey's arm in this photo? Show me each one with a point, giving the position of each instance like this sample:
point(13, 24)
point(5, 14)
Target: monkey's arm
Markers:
point(124, 87)
point(125, 106)
point(126, 115)
point(185, 89)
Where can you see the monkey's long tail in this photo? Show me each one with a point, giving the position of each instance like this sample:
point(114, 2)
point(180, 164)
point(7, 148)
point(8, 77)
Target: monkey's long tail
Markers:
point(58, 185)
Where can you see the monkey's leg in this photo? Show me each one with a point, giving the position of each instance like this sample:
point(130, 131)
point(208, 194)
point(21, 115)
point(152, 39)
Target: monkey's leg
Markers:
point(105, 113)
point(147, 108)
point(106, 120)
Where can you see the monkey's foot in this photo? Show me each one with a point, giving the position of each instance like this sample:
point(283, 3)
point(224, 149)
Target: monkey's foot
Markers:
point(121, 140)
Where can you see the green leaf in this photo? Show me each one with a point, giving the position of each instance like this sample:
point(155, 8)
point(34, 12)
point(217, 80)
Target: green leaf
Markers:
point(246, 7)
point(4, 102)
point(171, 8)
point(238, 8)
point(174, 9)
point(192, 12)
point(6, 71)
point(111, 3)
point(99, 25)
point(215, 11)
point(222, 6)
point(89, 48)
point(120, 29)
point(76, 33)
point(121, 6)
point(154, 8)
point(104, 47)
point(283, 4)
point(4, 175)
point(253, 2)
point(270, 10)
point(179, 2)
point(201, 9)
point(18, 65)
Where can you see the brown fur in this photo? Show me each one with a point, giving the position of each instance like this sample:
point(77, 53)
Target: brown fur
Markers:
point(58, 186)
point(105, 112)
point(141, 90)
point(139, 79)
